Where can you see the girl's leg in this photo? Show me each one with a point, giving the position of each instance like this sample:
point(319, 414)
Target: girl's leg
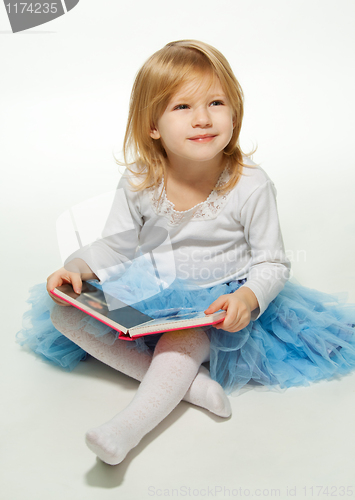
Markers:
point(175, 363)
point(203, 391)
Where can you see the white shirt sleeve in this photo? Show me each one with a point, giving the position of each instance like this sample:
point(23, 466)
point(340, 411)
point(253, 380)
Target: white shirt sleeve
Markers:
point(107, 257)
point(270, 268)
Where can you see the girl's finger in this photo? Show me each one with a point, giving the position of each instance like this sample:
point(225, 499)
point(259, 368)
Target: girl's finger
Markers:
point(76, 282)
point(52, 282)
point(216, 305)
point(55, 280)
point(228, 323)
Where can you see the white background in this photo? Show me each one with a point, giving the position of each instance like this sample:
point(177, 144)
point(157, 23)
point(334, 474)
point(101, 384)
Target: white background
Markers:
point(65, 88)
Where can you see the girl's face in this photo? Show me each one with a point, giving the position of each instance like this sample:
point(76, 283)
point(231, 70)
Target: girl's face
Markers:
point(197, 124)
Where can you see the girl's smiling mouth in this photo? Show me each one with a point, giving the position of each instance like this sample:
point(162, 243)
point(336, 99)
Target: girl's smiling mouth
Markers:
point(202, 138)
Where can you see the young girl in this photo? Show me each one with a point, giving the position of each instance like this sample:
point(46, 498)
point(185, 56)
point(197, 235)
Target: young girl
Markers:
point(209, 216)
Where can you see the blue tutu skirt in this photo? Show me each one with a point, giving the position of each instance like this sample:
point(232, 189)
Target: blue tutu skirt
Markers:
point(304, 335)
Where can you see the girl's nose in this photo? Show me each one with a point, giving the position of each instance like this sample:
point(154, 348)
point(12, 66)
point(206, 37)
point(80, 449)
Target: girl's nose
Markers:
point(201, 118)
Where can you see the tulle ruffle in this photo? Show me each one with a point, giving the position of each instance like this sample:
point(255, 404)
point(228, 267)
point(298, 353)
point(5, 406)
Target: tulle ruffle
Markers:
point(39, 334)
point(303, 336)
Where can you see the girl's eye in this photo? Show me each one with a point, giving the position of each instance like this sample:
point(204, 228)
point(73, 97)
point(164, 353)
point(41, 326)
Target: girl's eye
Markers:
point(217, 103)
point(182, 106)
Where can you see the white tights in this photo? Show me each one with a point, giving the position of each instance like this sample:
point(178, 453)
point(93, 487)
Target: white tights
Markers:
point(172, 373)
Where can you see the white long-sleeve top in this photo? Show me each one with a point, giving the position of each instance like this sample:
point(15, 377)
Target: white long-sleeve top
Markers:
point(228, 237)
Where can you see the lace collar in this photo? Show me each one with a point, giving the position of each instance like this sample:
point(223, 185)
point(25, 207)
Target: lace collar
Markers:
point(205, 210)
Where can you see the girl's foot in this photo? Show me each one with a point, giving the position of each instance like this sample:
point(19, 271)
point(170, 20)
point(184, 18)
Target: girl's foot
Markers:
point(208, 394)
point(112, 441)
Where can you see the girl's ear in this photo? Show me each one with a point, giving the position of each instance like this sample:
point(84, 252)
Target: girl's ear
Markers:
point(154, 133)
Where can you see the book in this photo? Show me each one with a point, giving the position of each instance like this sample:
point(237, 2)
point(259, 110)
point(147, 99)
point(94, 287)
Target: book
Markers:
point(128, 321)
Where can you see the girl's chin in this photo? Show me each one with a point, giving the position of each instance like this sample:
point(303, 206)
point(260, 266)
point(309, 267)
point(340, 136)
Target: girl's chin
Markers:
point(198, 156)
point(199, 160)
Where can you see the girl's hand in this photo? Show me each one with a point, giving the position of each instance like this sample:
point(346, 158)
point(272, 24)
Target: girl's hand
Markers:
point(75, 272)
point(239, 306)
point(62, 277)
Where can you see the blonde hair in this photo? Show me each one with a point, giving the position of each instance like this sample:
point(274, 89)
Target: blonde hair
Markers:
point(156, 82)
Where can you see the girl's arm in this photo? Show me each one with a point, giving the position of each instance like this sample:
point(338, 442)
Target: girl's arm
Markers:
point(269, 266)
